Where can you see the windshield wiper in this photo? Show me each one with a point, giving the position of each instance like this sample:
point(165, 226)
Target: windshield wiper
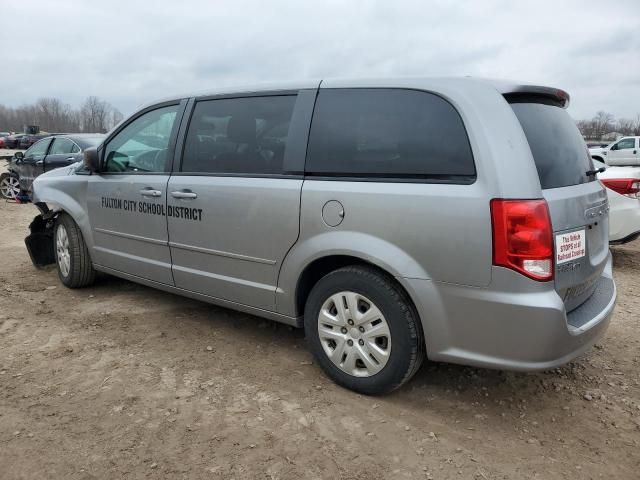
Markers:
point(591, 173)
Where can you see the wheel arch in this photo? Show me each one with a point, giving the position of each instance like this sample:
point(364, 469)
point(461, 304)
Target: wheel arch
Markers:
point(59, 201)
point(320, 267)
point(313, 257)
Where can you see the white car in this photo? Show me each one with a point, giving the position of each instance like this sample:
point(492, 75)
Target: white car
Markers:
point(625, 151)
point(623, 191)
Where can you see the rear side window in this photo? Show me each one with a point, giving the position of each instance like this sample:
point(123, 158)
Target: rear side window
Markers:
point(388, 133)
point(238, 135)
point(61, 146)
point(558, 149)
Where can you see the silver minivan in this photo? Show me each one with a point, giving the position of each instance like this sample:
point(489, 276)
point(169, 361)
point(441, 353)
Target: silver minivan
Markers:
point(456, 218)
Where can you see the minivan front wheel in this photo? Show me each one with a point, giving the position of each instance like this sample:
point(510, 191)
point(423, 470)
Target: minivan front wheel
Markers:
point(72, 256)
point(363, 330)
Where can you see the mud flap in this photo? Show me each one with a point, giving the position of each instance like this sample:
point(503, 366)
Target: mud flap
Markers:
point(40, 242)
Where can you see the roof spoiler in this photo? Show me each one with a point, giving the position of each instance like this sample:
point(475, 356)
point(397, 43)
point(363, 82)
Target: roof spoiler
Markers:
point(537, 94)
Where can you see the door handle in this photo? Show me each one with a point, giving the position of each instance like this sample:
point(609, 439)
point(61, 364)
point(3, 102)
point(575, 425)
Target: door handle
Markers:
point(149, 192)
point(40, 162)
point(70, 159)
point(184, 194)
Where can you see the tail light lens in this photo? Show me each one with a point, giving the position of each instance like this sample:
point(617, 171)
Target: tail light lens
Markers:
point(629, 187)
point(522, 237)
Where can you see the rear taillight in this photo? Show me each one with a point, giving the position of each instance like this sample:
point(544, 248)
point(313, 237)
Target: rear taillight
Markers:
point(629, 187)
point(522, 237)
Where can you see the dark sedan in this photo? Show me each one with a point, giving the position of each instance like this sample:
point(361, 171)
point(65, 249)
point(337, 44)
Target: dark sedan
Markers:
point(46, 154)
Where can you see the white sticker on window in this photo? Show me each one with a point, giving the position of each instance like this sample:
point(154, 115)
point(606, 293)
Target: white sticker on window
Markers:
point(570, 246)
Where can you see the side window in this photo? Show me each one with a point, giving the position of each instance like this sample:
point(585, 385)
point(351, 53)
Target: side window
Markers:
point(388, 133)
point(38, 148)
point(626, 143)
point(61, 146)
point(238, 135)
point(75, 148)
point(142, 145)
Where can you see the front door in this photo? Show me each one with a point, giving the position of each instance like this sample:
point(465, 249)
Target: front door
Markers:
point(32, 164)
point(233, 208)
point(624, 152)
point(127, 201)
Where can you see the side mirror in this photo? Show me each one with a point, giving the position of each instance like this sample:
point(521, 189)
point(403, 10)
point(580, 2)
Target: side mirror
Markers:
point(19, 156)
point(92, 159)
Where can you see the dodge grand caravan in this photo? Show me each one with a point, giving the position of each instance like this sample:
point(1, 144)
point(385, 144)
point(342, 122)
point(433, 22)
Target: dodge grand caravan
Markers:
point(457, 219)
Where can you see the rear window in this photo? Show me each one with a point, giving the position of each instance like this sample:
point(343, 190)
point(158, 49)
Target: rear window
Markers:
point(388, 133)
point(560, 154)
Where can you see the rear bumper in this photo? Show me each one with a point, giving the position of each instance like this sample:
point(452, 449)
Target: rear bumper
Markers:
point(515, 324)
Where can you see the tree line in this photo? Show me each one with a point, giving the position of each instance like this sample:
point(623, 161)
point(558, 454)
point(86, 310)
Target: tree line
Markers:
point(54, 116)
point(604, 123)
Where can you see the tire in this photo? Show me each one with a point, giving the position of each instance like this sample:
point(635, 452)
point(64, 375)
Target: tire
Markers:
point(9, 186)
point(395, 355)
point(72, 257)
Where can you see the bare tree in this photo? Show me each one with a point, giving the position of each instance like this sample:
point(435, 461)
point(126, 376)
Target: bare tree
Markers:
point(603, 123)
point(94, 115)
point(636, 125)
point(52, 115)
point(625, 126)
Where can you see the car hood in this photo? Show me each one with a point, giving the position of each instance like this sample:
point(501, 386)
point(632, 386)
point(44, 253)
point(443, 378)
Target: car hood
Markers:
point(596, 150)
point(57, 172)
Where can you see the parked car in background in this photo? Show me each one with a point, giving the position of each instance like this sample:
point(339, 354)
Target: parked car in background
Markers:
point(13, 141)
point(47, 154)
point(625, 151)
point(27, 140)
point(3, 135)
point(597, 144)
point(623, 191)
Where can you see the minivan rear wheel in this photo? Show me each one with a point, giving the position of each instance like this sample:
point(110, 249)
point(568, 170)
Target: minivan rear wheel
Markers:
point(363, 330)
point(75, 269)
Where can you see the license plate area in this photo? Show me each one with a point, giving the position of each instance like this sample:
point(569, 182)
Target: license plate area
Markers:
point(570, 246)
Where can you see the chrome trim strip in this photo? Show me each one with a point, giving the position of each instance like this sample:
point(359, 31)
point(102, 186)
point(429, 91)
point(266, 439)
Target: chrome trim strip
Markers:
point(130, 236)
point(220, 253)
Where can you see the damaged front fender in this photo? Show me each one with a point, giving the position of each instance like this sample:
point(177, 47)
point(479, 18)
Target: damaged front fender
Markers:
point(40, 241)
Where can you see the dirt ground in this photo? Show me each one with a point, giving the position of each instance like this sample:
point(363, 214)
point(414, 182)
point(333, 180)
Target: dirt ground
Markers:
point(122, 381)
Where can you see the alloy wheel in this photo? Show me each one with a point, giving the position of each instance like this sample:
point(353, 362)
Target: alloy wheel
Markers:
point(62, 250)
point(9, 187)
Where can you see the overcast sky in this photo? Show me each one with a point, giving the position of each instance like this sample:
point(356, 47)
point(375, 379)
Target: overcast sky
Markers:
point(130, 52)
